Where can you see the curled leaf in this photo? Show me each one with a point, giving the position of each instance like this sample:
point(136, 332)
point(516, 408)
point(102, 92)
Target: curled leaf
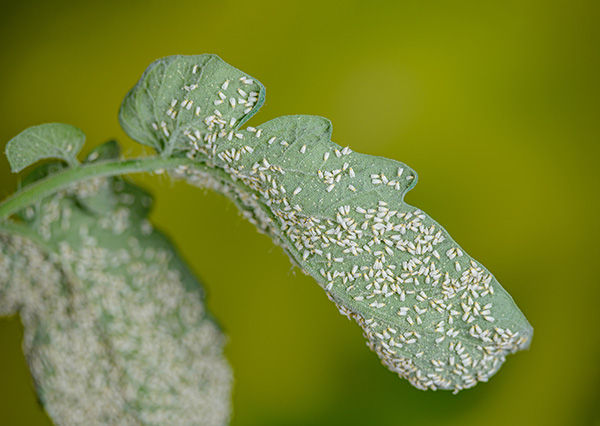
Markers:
point(432, 313)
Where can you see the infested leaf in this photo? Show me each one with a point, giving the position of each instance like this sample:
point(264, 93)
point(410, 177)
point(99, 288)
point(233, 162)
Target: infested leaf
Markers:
point(116, 331)
point(50, 140)
point(175, 95)
point(432, 313)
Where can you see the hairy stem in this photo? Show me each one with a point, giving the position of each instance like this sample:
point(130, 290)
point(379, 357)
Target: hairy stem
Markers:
point(63, 179)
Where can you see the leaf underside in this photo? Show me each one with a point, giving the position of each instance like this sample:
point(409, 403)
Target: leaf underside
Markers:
point(432, 313)
point(50, 140)
point(115, 326)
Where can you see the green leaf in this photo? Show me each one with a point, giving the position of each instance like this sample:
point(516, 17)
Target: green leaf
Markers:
point(51, 140)
point(107, 151)
point(101, 199)
point(116, 331)
point(432, 313)
point(176, 94)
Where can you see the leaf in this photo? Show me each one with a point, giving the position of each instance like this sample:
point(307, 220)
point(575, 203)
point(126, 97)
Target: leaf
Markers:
point(107, 151)
point(176, 94)
point(51, 140)
point(102, 199)
point(116, 331)
point(431, 312)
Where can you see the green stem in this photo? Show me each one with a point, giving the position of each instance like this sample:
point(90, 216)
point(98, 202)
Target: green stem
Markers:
point(31, 193)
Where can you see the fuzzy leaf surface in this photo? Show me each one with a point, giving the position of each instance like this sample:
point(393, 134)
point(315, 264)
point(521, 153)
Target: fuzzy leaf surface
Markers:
point(50, 140)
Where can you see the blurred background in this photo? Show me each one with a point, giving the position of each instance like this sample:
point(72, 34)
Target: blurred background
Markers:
point(494, 104)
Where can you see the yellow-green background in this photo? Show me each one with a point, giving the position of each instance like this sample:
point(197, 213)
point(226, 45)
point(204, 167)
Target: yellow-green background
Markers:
point(494, 104)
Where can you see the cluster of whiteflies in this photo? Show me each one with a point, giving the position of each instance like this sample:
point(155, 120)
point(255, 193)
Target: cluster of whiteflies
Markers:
point(115, 327)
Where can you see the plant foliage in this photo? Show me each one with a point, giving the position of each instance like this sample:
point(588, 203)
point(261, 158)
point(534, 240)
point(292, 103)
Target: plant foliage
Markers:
point(115, 326)
point(116, 287)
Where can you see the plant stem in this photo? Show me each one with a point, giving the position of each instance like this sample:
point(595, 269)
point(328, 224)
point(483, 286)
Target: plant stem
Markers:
point(63, 179)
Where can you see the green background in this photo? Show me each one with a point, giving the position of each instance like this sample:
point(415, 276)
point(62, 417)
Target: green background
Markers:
point(494, 104)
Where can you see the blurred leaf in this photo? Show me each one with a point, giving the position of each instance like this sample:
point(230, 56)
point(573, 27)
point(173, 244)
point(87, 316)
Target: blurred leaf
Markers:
point(51, 140)
point(107, 151)
point(115, 326)
point(432, 313)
